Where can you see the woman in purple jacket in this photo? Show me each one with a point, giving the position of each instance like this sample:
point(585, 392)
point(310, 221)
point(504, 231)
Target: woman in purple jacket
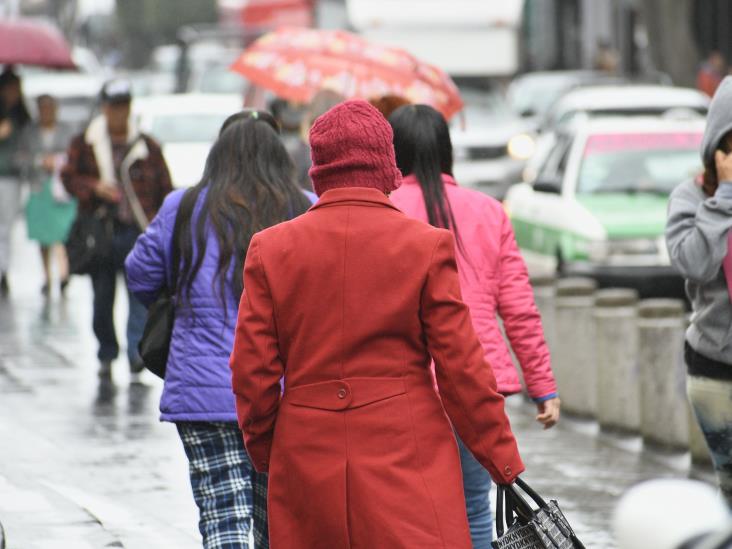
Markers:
point(248, 185)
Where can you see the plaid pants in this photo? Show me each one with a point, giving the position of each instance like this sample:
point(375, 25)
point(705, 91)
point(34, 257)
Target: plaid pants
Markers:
point(222, 478)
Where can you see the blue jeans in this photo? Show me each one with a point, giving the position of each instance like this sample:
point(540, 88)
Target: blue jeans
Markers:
point(104, 283)
point(477, 487)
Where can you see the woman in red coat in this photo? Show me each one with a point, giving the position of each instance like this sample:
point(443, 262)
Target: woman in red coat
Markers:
point(351, 302)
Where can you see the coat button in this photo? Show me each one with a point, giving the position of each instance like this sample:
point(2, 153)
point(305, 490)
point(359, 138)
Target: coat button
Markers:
point(342, 393)
point(507, 470)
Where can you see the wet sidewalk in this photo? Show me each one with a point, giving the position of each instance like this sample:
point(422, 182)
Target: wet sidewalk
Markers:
point(85, 465)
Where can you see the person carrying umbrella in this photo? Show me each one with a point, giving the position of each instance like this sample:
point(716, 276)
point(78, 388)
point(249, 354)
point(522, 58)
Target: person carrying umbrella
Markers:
point(350, 302)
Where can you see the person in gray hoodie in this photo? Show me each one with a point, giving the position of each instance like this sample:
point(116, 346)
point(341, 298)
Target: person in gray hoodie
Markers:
point(699, 243)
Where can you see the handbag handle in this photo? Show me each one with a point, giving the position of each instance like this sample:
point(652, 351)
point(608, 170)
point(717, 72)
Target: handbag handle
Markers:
point(509, 506)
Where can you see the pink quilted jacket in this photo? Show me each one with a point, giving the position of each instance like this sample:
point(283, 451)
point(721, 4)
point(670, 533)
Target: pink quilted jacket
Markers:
point(494, 282)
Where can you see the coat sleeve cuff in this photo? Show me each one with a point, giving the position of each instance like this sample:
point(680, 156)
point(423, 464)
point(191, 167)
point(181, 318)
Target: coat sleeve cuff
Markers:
point(544, 398)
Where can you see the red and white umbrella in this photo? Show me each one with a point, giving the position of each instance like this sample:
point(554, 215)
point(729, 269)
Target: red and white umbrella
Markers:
point(296, 63)
point(24, 42)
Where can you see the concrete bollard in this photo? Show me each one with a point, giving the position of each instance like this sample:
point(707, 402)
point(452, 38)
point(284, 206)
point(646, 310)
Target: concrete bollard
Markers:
point(574, 352)
point(664, 411)
point(618, 383)
point(545, 294)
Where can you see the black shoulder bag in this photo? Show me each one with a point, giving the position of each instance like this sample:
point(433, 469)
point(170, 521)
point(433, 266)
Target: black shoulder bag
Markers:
point(89, 244)
point(154, 346)
point(544, 528)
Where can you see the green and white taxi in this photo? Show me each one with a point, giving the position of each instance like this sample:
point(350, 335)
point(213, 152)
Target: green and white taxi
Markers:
point(597, 205)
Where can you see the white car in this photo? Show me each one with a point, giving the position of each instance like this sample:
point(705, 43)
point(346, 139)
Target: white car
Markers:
point(185, 125)
point(598, 204)
point(487, 142)
point(617, 100)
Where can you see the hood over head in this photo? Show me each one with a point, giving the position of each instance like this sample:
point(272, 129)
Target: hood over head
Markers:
point(719, 119)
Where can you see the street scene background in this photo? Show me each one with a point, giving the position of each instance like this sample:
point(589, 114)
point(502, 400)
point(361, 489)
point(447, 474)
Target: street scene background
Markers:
point(580, 116)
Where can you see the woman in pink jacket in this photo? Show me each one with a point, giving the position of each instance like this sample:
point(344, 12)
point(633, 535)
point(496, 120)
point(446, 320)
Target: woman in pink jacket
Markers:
point(493, 279)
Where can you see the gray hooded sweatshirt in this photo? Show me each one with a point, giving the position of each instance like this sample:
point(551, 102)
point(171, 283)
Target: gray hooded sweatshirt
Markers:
point(696, 236)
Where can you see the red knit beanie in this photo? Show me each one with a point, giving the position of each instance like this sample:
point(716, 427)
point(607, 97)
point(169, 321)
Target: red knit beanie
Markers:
point(351, 146)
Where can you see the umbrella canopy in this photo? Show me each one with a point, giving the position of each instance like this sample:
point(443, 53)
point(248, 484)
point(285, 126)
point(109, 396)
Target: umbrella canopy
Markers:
point(24, 42)
point(296, 63)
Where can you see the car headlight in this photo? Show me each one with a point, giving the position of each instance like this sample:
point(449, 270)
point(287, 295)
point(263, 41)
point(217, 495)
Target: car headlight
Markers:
point(521, 146)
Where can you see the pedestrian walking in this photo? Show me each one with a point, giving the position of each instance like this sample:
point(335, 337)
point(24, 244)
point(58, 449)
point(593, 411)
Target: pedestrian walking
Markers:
point(493, 280)
point(248, 185)
point(50, 210)
point(700, 245)
point(350, 303)
point(711, 73)
point(13, 119)
point(93, 175)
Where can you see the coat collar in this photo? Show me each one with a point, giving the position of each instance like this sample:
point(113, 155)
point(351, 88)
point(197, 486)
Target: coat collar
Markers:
point(447, 179)
point(353, 196)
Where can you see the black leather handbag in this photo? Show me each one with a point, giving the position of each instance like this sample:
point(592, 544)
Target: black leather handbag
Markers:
point(154, 346)
point(90, 240)
point(543, 528)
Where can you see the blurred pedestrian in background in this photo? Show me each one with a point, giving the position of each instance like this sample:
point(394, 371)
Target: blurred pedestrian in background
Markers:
point(606, 58)
point(93, 174)
point(387, 104)
point(493, 279)
point(13, 119)
point(348, 303)
point(50, 210)
point(700, 245)
point(322, 102)
point(711, 73)
point(248, 185)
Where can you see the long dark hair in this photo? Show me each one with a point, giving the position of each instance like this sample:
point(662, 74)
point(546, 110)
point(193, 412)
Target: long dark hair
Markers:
point(423, 147)
point(17, 113)
point(710, 181)
point(249, 181)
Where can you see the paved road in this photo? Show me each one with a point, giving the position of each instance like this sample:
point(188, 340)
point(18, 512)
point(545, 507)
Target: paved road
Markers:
point(89, 466)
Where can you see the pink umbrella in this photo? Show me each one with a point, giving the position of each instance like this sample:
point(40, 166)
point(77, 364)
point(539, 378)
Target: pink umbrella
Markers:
point(295, 63)
point(24, 42)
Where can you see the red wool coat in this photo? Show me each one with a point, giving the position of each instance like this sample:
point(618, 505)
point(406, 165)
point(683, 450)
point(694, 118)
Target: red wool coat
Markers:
point(349, 302)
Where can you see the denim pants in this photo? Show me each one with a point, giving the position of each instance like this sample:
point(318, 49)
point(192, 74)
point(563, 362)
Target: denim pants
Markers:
point(711, 400)
point(477, 487)
point(104, 283)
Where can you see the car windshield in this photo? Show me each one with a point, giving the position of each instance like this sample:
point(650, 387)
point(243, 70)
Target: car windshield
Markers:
point(535, 95)
point(187, 128)
point(638, 162)
point(482, 106)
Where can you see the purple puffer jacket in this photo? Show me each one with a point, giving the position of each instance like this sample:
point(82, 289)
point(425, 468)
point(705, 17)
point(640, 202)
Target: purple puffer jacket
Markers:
point(198, 379)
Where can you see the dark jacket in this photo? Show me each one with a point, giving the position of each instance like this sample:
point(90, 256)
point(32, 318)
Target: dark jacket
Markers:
point(149, 174)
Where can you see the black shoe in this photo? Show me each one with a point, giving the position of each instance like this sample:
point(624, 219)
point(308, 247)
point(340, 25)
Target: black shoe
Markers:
point(64, 285)
point(137, 366)
point(105, 369)
point(45, 290)
point(4, 287)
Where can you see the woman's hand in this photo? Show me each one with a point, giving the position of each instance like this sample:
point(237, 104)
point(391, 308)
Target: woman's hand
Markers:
point(548, 412)
point(724, 166)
